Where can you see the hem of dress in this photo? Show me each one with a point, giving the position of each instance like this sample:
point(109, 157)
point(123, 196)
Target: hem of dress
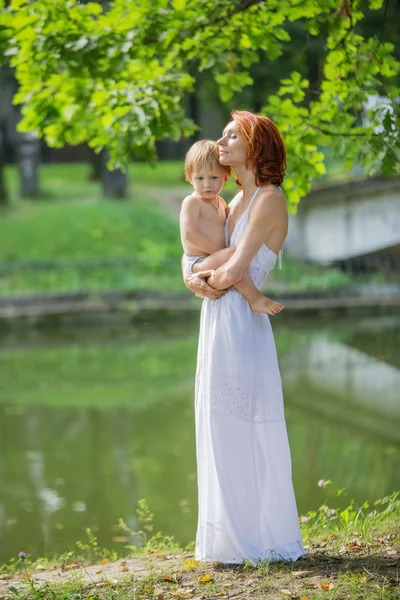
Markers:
point(269, 556)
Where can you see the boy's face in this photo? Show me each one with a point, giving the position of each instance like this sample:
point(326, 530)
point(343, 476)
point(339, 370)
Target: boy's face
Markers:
point(208, 183)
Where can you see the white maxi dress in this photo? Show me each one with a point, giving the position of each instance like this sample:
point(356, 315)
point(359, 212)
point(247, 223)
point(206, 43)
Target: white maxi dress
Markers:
point(247, 507)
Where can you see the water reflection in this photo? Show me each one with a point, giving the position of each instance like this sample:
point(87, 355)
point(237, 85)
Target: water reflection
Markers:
point(92, 423)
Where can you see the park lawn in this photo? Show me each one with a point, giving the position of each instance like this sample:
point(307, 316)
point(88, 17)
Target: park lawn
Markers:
point(102, 245)
point(71, 181)
point(98, 244)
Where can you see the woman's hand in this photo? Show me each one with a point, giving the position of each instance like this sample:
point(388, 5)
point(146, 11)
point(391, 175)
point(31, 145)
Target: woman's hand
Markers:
point(197, 284)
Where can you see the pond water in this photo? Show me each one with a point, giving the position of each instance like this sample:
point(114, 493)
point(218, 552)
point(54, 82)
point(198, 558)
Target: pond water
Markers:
point(93, 421)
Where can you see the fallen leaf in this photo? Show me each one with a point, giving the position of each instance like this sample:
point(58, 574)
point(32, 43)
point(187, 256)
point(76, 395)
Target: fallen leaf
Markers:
point(312, 586)
point(124, 569)
point(104, 562)
point(147, 590)
point(120, 539)
point(191, 564)
point(361, 575)
point(327, 585)
point(205, 579)
point(169, 578)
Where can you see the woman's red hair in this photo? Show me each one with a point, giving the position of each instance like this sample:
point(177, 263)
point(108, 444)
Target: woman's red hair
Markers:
point(265, 148)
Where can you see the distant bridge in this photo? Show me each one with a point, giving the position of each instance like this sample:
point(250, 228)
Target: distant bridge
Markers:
point(346, 221)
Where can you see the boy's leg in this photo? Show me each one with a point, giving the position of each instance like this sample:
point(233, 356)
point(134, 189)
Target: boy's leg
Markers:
point(257, 300)
point(214, 261)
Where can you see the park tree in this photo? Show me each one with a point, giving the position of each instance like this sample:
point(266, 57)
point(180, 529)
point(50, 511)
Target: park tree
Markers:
point(116, 76)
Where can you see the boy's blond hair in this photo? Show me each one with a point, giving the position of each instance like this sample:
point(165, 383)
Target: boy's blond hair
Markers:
point(203, 154)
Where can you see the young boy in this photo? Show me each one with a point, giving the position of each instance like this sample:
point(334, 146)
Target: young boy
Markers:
point(202, 222)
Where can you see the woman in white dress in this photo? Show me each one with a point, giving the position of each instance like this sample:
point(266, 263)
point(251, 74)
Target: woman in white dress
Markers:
point(247, 506)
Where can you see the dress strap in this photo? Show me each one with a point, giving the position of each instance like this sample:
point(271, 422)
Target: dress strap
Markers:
point(252, 198)
point(280, 257)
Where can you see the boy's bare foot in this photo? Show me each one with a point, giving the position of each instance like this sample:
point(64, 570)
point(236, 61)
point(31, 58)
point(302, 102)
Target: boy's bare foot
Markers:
point(266, 305)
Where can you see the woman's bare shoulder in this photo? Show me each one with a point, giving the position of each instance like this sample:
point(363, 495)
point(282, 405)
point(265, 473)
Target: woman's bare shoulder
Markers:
point(272, 200)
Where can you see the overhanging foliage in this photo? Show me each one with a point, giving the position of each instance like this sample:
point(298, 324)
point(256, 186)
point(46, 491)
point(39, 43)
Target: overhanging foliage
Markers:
point(116, 77)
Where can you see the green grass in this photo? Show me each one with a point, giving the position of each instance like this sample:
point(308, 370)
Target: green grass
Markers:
point(72, 223)
point(71, 181)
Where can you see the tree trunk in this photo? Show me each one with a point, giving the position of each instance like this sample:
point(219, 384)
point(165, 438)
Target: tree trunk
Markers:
point(96, 163)
point(3, 189)
point(115, 182)
point(28, 155)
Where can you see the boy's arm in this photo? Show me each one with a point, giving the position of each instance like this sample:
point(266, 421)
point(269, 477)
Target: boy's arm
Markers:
point(189, 222)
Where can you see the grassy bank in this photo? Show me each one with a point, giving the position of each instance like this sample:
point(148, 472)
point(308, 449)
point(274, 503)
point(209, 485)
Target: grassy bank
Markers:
point(71, 239)
point(350, 554)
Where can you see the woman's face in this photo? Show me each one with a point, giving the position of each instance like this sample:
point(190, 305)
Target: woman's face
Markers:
point(231, 148)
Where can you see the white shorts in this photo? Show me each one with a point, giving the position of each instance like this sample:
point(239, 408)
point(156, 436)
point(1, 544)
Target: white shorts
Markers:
point(189, 261)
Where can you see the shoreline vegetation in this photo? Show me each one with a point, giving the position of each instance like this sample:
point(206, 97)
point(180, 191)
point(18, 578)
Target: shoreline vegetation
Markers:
point(351, 553)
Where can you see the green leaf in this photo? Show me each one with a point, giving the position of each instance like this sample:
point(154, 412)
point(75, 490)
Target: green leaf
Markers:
point(179, 4)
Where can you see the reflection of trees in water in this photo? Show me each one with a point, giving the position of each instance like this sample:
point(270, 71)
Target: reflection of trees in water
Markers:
point(383, 347)
point(349, 410)
point(101, 375)
point(87, 468)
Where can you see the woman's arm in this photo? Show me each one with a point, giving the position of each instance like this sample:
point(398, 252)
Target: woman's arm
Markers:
point(268, 221)
point(197, 284)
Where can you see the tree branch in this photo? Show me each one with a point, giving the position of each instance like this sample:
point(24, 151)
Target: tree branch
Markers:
point(384, 18)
